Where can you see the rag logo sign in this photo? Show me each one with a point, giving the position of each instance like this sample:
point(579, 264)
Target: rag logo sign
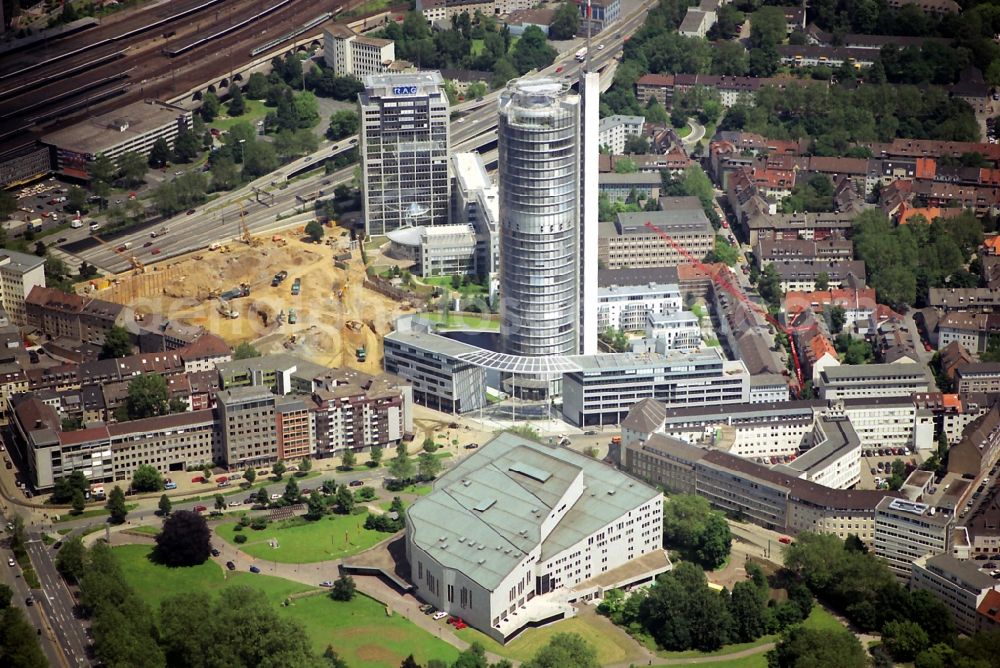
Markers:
point(404, 90)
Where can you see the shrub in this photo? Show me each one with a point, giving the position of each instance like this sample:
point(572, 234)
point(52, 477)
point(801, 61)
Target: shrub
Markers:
point(258, 523)
point(240, 538)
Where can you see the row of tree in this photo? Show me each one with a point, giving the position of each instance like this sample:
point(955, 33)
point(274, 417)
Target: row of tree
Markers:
point(681, 612)
point(903, 261)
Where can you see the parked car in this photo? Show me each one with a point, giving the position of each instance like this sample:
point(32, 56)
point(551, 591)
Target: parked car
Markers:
point(440, 614)
point(254, 569)
point(215, 552)
point(11, 562)
point(426, 608)
point(275, 497)
point(235, 504)
point(472, 446)
point(29, 600)
point(230, 565)
point(326, 583)
point(785, 540)
point(356, 483)
point(200, 509)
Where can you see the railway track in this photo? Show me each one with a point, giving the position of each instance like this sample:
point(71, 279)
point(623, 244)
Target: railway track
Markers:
point(202, 49)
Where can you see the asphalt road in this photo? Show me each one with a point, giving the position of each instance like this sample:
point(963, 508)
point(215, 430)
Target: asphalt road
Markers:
point(11, 576)
point(58, 603)
point(473, 126)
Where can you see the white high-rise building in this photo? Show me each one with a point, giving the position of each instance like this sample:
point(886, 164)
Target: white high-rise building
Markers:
point(405, 142)
point(591, 85)
point(540, 218)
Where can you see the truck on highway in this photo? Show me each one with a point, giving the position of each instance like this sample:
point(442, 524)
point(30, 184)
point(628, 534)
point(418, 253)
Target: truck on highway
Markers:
point(581, 54)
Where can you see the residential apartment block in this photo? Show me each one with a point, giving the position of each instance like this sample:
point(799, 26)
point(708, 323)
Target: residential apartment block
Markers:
point(59, 314)
point(627, 307)
point(248, 426)
point(873, 380)
point(978, 377)
point(615, 131)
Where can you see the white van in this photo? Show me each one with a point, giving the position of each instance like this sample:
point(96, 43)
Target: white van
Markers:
point(76, 224)
point(94, 227)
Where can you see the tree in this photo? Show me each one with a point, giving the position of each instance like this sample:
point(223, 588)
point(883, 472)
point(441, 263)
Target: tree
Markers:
point(117, 343)
point(904, 640)
point(70, 560)
point(565, 649)
point(250, 475)
point(343, 123)
point(185, 539)
point(401, 468)
point(220, 502)
point(769, 285)
point(209, 106)
point(801, 646)
point(6, 596)
point(503, 71)
point(147, 396)
point(245, 351)
point(186, 146)
point(690, 524)
point(260, 159)
point(532, 51)
point(132, 167)
point(19, 646)
point(8, 204)
point(159, 154)
point(315, 230)
point(305, 465)
point(279, 469)
point(79, 502)
point(262, 497)
point(566, 21)
point(822, 281)
point(147, 478)
point(292, 493)
point(116, 505)
point(316, 507)
point(347, 460)
point(428, 466)
point(375, 456)
point(343, 588)
point(87, 270)
point(747, 611)
point(237, 106)
point(102, 169)
point(636, 144)
point(838, 316)
point(225, 175)
point(165, 505)
point(344, 500)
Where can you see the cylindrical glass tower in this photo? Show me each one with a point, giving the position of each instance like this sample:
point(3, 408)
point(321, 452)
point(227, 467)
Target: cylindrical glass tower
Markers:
point(539, 163)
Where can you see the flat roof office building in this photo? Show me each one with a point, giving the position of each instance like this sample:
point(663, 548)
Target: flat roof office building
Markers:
point(404, 151)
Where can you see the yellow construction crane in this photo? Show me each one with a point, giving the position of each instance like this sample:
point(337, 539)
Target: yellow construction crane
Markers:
point(245, 235)
point(134, 263)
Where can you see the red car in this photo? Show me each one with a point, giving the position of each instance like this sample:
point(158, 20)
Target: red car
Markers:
point(155, 251)
point(222, 478)
point(457, 623)
point(198, 478)
point(200, 509)
point(785, 540)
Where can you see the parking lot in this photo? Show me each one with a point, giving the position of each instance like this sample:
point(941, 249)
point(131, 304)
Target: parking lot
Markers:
point(876, 465)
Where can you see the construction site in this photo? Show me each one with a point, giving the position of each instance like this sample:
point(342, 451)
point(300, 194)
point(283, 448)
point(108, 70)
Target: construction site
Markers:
point(281, 293)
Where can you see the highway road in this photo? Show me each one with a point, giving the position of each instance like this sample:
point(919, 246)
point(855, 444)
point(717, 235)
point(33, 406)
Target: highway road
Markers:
point(473, 127)
point(58, 603)
point(11, 576)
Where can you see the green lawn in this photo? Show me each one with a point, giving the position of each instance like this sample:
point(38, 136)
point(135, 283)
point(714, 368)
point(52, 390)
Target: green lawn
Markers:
point(255, 110)
point(363, 635)
point(93, 512)
point(463, 321)
point(302, 542)
point(419, 490)
point(360, 631)
point(154, 582)
point(683, 132)
point(477, 46)
point(822, 620)
point(469, 290)
point(530, 641)
point(148, 530)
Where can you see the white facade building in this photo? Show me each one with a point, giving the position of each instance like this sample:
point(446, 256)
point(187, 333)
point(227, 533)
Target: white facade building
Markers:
point(959, 585)
point(626, 307)
point(866, 381)
point(349, 53)
point(509, 532)
point(438, 250)
point(678, 330)
point(906, 530)
point(19, 272)
point(891, 422)
point(615, 130)
point(834, 459)
point(476, 201)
